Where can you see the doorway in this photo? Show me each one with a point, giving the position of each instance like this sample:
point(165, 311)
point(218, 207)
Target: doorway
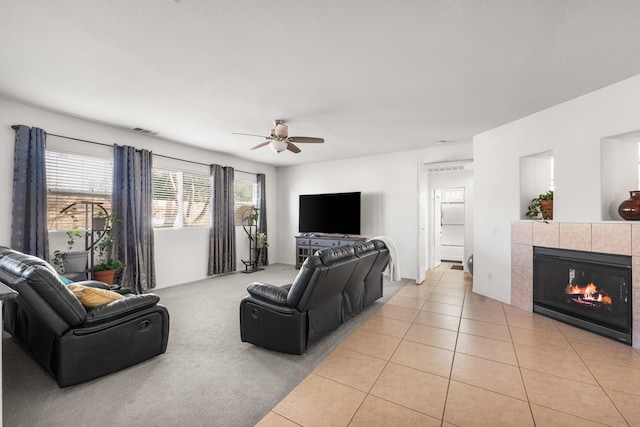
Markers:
point(448, 224)
point(444, 176)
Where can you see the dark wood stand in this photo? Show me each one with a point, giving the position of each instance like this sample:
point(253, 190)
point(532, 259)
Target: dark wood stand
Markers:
point(250, 227)
point(308, 245)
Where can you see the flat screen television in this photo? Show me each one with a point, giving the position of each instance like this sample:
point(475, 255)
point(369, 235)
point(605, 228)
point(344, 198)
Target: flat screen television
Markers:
point(337, 213)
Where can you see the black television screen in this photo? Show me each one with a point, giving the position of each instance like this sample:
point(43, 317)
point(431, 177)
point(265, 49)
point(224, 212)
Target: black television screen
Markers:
point(330, 213)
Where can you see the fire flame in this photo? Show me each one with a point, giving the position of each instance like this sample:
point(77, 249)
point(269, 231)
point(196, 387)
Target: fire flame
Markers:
point(589, 293)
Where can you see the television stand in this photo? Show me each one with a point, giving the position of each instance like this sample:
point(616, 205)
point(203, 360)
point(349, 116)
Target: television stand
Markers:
point(308, 245)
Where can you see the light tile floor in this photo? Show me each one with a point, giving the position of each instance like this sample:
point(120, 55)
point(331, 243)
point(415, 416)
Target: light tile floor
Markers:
point(437, 354)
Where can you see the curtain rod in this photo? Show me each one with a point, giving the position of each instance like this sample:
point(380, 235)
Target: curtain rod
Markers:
point(15, 127)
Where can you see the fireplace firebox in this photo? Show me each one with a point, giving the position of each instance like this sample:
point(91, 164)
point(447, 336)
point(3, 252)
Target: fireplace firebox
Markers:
point(586, 289)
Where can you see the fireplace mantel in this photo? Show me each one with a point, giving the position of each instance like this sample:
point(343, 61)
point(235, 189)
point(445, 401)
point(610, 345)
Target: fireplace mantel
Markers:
point(614, 237)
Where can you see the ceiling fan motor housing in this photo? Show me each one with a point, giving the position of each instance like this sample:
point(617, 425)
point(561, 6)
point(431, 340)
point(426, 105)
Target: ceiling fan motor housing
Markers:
point(281, 131)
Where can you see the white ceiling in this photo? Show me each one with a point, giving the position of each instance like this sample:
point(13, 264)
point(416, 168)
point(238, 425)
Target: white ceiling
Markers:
point(369, 76)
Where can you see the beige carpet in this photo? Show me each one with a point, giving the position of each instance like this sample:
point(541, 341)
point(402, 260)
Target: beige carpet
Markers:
point(207, 377)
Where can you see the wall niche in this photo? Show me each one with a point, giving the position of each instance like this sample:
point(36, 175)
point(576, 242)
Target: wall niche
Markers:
point(620, 171)
point(536, 177)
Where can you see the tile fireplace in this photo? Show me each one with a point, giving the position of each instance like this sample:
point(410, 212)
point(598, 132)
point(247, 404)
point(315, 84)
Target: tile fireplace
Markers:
point(617, 238)
point(589, 290)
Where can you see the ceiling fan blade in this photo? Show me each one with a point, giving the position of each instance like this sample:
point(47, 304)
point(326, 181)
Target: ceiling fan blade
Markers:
point(305, 139)
point(261, 145)
point(247, 134)
point(292, 148)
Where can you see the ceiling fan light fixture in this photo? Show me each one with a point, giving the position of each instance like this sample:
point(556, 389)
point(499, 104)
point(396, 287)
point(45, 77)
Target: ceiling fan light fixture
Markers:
point(278, 146)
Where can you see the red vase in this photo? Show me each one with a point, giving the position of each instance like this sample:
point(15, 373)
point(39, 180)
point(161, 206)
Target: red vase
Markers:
point(630, 208)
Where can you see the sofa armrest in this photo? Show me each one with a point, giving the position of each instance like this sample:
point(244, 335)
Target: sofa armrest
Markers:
point(120, 308)
point(268, 292)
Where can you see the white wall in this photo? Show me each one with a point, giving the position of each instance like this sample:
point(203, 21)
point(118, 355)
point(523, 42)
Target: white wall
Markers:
point(390, 196)
point(573, 131)
point(181, 254)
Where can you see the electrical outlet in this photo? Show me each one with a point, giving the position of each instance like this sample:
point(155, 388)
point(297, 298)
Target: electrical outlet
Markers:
point(490, 276)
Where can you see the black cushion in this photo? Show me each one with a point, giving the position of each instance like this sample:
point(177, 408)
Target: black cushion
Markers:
point(364, 247)
point(118, 308)
point(334, 254)
point(302, 280)
point(271, 293)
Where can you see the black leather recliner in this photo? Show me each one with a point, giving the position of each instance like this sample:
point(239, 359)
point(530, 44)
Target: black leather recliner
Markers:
point(73, 343)
point(332, 286)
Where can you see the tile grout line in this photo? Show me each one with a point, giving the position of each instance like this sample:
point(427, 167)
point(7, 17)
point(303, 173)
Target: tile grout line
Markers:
point(592, 374)
point(387, 361)
point(520, 368)
point(524, 384)
point(453, 359)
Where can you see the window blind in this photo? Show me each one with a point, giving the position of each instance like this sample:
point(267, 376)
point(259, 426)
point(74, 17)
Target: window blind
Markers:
point(244, 193)
point(180, 198)
point(73, 178)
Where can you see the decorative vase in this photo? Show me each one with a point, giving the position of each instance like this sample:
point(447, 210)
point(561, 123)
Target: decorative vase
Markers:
point(546, 207)
point(630, 208)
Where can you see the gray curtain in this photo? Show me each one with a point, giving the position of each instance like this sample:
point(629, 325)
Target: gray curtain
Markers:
point(29, 215)
point(262, 219)
point(222, 234)
point(133, 205)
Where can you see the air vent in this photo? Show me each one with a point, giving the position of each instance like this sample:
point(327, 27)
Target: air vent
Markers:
point(454, 166)
point(145, 131)
point(446, 169)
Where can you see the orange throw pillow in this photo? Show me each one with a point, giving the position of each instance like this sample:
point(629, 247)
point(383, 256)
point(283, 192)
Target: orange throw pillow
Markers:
point(93, 297)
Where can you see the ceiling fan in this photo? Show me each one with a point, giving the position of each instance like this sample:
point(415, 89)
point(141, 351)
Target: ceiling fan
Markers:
point(279, 139)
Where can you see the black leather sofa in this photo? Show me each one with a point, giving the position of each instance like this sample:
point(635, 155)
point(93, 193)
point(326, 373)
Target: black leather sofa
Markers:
point(73, 343)
point(332, 286)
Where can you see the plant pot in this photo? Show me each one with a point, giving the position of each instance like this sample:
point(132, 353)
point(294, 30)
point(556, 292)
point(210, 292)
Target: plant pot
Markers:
point(105, 276)
point(630, 208)
point(546, 207)
point(75, 262)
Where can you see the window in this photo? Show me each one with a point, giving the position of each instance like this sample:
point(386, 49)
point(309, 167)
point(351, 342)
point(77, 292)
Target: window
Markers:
point(245, 197)
point(180, 199)
point(75, 178)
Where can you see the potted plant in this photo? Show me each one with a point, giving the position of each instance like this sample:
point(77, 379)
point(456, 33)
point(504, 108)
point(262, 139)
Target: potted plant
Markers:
point(106, 271)
point(261, 243)
point(541, 206)
point(74, 261)
point(71, 261)
point(261, 240)
point(106, 266)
